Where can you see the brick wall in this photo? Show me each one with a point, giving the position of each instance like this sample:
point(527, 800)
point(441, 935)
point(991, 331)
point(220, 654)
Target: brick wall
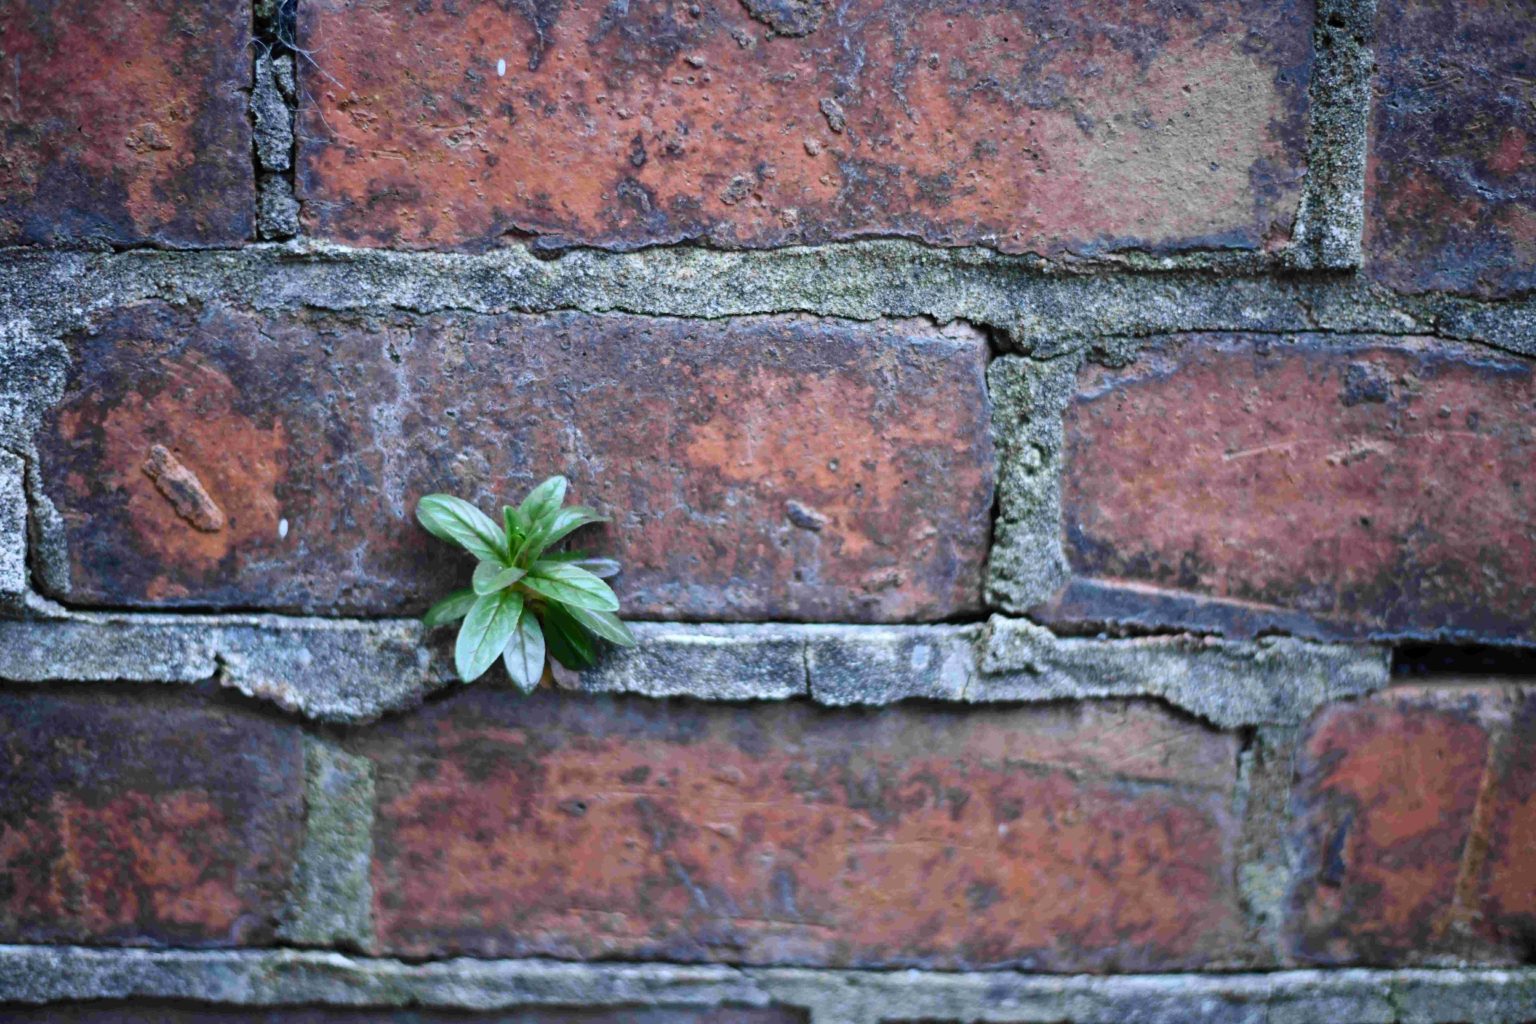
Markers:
point(1071, 462)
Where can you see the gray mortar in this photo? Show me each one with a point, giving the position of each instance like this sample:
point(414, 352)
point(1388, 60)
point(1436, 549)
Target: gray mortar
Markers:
point(750, 662)
point(330, 670)
point(347, 671)
point(1042, 308)
point(271, 118)
point(48, 548)
point(882, 664)
point(13, 531)
point(331, 899)
point(44, 974)
point(1276, 680)
point(1331, 219)
point(1026, 564)
point(32, 369)
point(277, 211)
point(1265, 870)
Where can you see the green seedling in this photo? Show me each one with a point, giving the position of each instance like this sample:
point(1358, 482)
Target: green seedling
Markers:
point(525, 600)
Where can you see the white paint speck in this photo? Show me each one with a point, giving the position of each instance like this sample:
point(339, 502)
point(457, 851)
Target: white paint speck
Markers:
point(282, 528)
point(501, 69)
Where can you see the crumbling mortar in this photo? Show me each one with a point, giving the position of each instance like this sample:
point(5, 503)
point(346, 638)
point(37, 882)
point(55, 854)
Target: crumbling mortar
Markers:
point(274, 113)
point(1330, 221)
point(354, 671)
point(1264, 863)
point(331, 895)
point(1042, 312)
point(47, 974)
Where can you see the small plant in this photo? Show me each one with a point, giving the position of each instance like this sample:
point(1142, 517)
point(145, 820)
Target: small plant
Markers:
point(525, 600)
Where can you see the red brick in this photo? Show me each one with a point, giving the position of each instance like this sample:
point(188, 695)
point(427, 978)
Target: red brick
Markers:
point(1029, 125)
point(1080, 837)
point(182, 1013)
point(1451, 185)
point(1337, 487)
point(759, 468)
point(125, 122)
point(144, 818)
point(1416, 828)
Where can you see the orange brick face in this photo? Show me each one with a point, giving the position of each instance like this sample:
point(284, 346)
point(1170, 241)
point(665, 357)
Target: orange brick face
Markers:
point(1414, 820)
point(763, 468)
point(1025, 125)
point(1341, 487)
point(1087, 838)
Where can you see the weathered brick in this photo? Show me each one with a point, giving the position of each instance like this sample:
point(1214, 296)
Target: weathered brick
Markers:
point(1028, 125)
point(1061, 838)
point(144, 818)
point(1334, 486)
point(125, 122)
point(138, 1011)
point(1451, 182)
point(760, 468)
point(1415, 828)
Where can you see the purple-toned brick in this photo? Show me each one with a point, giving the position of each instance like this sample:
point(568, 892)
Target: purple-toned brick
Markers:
point(125, 122)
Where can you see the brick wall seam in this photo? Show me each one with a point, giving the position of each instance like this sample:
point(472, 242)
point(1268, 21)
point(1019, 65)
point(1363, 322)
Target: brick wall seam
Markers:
point(42, 975)
point(1041, 311)
point(351, 671)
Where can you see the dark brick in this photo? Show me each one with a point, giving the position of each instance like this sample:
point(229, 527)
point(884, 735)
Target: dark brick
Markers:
point(151, 1012)
point(1451, 185)
point(1415, 828)
point(705, 439)
point(125, 122)
point(1340, 487)
point(144, 818)
point(1087, 837)
point(1029, 125)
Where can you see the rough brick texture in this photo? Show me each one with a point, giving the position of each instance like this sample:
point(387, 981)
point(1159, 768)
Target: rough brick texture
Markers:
point(1024, 124)
point(1074, 838)
point(764, 468)
point(139, 1011)
point(125, 122)
point(1451, 188)
point(1333, 486)
point(144, 818)
point(1416, 828)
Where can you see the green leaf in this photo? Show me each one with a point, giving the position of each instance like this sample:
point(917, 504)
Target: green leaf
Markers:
point(493, 576)
point(451, 608)
point(568, 641)
point(456, 520)
point(567, 520)
point(517, 526)
point(485, 633)
point(544, 499)
point(524, 656)
point(602, 568)
point(605, 625)
point(572, 585)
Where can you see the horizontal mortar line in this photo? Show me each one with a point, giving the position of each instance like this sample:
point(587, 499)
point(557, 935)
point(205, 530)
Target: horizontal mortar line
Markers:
point(704, 630)
point(908, 253)
point(802, 296)
point(887, 252)
point(1129, 259)
point(345, 967)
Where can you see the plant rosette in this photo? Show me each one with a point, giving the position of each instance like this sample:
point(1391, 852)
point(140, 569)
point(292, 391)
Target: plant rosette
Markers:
point(526, 600)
